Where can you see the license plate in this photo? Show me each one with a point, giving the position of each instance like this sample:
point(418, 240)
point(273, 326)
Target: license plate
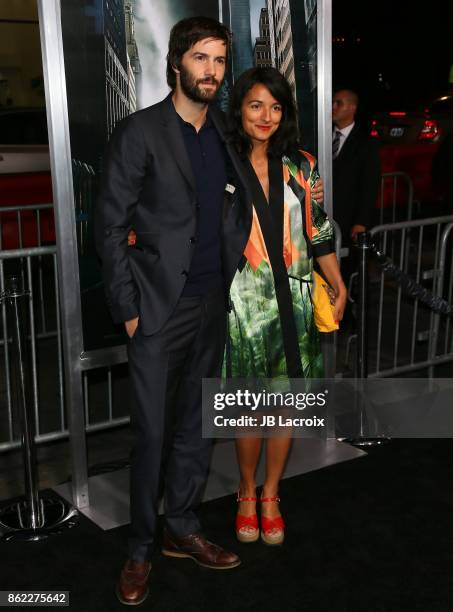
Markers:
point(396, 132)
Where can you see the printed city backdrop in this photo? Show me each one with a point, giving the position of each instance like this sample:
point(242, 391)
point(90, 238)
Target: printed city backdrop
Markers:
point(115, 59)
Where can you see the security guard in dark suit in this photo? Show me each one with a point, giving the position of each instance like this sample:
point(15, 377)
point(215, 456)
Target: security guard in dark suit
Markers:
point(356, 173)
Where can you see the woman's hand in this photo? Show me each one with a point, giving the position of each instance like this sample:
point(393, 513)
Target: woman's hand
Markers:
point(340, 303)
point(317, 191)
point(131, 238)
point(331, 271)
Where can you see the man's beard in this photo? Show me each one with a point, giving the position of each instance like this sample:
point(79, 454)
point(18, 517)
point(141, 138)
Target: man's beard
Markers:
point(193, 91)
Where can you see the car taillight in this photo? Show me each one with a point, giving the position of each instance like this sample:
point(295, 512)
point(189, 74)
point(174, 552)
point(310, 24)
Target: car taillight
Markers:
point(397, 114)
point(373, 132)
point(430, 130)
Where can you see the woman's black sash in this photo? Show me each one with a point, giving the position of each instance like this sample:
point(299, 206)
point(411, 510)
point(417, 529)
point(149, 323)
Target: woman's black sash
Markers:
point(271, 218)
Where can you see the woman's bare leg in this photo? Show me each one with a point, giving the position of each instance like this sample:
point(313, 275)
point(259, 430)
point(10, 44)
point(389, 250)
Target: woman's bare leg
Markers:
point(248, 453)
point(276, 455)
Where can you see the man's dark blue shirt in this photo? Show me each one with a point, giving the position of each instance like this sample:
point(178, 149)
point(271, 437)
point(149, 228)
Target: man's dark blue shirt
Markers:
point(207, 155)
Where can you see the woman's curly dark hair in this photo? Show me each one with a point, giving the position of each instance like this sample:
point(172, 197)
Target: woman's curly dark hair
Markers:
point(286, 139)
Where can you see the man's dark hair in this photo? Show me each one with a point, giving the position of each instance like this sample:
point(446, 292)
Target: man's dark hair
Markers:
point(187, 33)
point(286, 139)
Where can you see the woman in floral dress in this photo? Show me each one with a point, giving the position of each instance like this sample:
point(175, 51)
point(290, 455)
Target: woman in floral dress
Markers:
point(271, 328)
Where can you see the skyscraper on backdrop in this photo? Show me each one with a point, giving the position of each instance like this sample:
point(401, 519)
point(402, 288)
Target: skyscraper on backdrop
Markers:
point(262, 55)
point(292, 33)
point(236, 15)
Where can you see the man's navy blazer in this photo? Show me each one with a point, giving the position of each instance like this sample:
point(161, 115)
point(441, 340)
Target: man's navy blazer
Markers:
point(356, 178)
point(148, 185)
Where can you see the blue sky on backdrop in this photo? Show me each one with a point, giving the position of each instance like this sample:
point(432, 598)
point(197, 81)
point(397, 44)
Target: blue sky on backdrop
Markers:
point(153, 20)
point(255, 8)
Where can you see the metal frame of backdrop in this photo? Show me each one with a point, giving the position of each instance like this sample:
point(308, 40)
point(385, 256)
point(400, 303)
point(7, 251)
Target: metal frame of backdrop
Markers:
point(67, 258)
point(324, 90)
point(75, 359)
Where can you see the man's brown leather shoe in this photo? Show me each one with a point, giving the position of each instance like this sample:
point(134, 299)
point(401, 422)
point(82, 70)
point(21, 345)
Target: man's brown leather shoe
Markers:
point(194, 546)
point(132, 588)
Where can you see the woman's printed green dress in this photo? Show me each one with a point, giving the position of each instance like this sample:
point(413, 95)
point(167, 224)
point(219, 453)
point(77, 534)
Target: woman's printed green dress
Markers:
point(255, 345)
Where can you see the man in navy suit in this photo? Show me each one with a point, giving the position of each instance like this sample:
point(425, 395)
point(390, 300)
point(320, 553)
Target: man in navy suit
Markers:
point(165, 175)
point(356, 173)
point(356, 168)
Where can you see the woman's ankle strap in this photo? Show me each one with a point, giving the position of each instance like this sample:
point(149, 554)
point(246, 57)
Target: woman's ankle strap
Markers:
point(239, 498)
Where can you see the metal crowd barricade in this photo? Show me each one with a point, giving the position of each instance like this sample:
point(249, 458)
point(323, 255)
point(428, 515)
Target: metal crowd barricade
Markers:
point(26, 226)
point(337, 238)
point(105, 388)
point(36, 515)
point(441, 336)
point(402, 334)
point(38, 268)
point(396, 197)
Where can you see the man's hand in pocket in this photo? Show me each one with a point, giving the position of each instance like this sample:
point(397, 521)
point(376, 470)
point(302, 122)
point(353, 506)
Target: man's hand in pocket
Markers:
point(131, 326)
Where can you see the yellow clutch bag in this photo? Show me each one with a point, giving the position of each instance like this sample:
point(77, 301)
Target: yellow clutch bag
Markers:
point(323, 304)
